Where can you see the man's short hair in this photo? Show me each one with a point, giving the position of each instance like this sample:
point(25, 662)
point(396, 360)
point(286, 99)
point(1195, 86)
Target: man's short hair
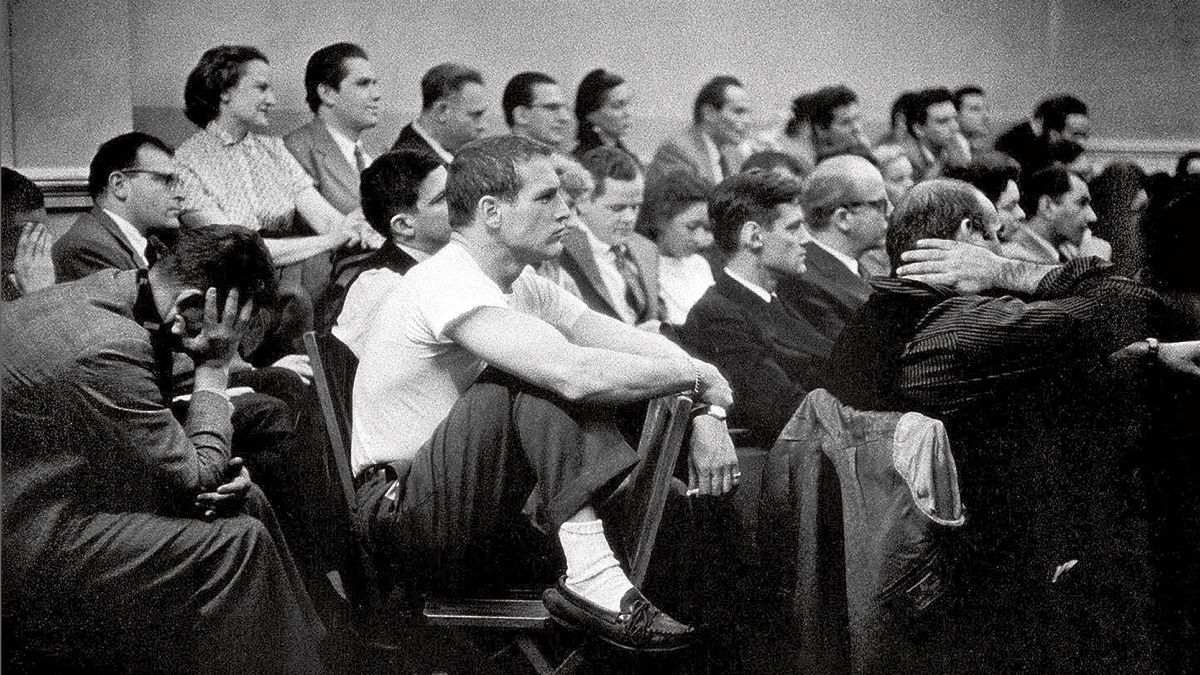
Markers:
point(222, 257)
point(1181, 166)
point(390, 185)
point(919, 104)
point(488, 167)
point(823, 102)
point(963, 92)
point(327, 66)
point(666, 197)
point(989, 172)
point(444, 80)
point(933, 209)
point(1053, 181)
point(116, 154)
point(1063, 151)
point(713, 94)
point(519, 92)
point(1054, 110)
point(743, 197)
point(606, 162)
point(218, 71)
point(769, 160)
point(901, 106)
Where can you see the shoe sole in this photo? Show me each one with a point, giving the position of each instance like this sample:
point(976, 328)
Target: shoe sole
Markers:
point(565, 623)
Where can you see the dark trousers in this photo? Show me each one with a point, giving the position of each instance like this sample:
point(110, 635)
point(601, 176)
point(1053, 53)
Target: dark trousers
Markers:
point(142, 592)
point(462, 496)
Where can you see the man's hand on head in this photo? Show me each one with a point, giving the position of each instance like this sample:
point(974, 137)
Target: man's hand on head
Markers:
point(216, 344)
point(966, 268)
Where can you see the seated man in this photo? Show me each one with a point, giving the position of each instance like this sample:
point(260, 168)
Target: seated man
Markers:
point(708, 149)
point(846, 205)
point(997, 176)
point(1059, 205)
point(26, 263)
point(934, 141)
point(446, 453)
point(403, 198)
point(125, 542)
point(772, 357)
point(1041, 424)
point(614, 268)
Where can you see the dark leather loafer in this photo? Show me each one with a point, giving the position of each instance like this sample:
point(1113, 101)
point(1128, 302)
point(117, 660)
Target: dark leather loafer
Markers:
point(639, 626)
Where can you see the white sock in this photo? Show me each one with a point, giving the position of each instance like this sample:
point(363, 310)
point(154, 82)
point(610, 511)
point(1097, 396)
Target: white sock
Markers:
point(592, 569)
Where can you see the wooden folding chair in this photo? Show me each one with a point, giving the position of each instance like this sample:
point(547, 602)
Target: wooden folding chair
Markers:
point(658, 448)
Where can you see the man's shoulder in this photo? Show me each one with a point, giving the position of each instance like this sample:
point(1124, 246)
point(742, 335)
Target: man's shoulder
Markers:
point(84, 315)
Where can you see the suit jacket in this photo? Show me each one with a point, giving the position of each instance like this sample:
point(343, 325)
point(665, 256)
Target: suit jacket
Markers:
point(579, 263)
point(91, 244)
point(687, 152)
point(771, 357)
point(335, 178)
point(827, 294)
point(409, 138)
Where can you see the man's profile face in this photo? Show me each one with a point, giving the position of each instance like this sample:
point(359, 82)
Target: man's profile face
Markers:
point(547, 118)
point(730, 123)
point(153, 199)
point(845, 129)
point(687, 233)
point(1008, 208)
point(431, 223)
point(464, 116)
point(355, 101)
point(532, 225)
point(1073, 212)
point(941, 125)
point(867, 218)
point(783, 241)
point(1075, 128)
point(612, 215)
point(973, 118)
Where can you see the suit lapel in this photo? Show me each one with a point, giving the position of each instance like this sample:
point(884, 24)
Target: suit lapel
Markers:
point(832, 276)
point(110, 226)
point(578, 258)
point(324, 145)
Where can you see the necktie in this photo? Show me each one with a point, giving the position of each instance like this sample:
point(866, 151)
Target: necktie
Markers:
point(724, 165)
point(360, 159)
point(635, 293)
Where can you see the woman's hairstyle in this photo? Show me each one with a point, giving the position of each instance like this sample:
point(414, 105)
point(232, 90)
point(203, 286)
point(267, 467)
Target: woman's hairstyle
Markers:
point(218, 71)
point(590, 97)
point(666, 197)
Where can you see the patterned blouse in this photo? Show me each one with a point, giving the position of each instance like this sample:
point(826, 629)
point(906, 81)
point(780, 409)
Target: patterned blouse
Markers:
point(254, 181)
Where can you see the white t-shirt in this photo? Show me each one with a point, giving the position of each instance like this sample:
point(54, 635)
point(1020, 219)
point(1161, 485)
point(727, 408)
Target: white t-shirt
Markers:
point(681, 284)
point(409, 372)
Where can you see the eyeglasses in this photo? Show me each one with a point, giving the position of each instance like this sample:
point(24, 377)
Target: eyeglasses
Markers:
point(883, 206)
point(169, 180)
point(552, 107)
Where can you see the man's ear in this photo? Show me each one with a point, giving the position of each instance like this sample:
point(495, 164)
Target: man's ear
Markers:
point(1046, 204)
point(489, 208)
point(841, 219)
point(750, 235)
point(326, 93)
point(401, 226)
point(440, 107)
point(118, 185)
point(187, 312)
point(520, 114)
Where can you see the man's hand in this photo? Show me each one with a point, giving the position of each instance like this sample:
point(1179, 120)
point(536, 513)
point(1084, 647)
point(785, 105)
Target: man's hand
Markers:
point(217, 342)
point(32, 267)
point(298, 364)
point(966, 268)
point(1181, 357)
point(227, 498)
point(712, 462)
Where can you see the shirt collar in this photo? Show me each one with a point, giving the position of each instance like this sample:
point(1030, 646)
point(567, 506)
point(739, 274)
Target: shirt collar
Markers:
point(714, 154)
point(135, 239)
point(224, 136)
point(437, 147)
point(598, 246)
point(344, 144)
point(842, 257)
point(416, 253)
point(754, 288)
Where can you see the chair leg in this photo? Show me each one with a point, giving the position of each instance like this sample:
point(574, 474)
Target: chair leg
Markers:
point(534, 654)
point(570, 664)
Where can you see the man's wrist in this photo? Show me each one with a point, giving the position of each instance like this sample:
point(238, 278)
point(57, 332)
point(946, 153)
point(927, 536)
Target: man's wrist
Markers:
point(211, 376)
point(1019, 276)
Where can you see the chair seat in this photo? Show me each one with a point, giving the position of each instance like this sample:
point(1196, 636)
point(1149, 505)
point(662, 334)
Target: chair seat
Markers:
point(506, 613)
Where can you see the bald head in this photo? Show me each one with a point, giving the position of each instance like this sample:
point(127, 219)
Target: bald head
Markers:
point(840, 182)
point(942, 208)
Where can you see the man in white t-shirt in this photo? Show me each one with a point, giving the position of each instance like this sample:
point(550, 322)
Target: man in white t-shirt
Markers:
point(445, 453)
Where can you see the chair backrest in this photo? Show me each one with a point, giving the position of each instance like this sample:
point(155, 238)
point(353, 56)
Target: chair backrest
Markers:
point(333, 367)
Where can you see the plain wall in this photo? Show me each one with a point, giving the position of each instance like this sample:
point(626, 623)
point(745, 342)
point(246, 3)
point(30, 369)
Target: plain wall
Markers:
point(1137, 65)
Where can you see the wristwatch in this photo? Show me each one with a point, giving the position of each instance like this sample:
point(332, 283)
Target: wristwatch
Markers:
point(1152, 349)
point(711, 410)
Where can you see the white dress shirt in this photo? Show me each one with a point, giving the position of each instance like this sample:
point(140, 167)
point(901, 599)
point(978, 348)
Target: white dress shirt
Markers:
point(348, 147)
point(761, 292)
point(437, 147)
point(614, 283)
point(135, 239)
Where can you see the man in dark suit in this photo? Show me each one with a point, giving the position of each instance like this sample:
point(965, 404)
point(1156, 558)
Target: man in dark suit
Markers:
point(404, 199)
point(846, 204)
point(126, 544)
point(452, 109)
point(614, 268)
point(771, 357)
point(709, 148)
point(133, 182)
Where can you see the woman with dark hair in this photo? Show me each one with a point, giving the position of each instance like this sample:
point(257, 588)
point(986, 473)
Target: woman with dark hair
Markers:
point(602, 111)
point(232, 172)
point(674, 216)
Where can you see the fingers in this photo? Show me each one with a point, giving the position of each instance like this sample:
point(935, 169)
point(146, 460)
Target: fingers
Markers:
point(246, 313)
point(943, 244)
point(210, 307)
point(230, 314)
point(931, 279)
point(693, 480)
point(41, 248)
point(923, 254)
point(930, 267)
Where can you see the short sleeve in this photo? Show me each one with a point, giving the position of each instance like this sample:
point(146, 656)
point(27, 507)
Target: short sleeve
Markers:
point(297, 179)
point(546, 300)
point(448, 292)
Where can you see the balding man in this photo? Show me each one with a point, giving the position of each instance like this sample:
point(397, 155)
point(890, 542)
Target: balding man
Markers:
point(847, 206)
point(452, 112)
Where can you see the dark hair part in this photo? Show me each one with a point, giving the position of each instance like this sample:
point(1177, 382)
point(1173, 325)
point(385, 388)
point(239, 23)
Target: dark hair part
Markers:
point(488, 167)
point(218, 71)
point(989, 172)
point(605, 163)
point(919, 104)
point(933, 209)
point(116, 154)
point(1053, 181)
point(1054, 110)
point(327, 66)
point(1181, 167)
point(444, 80)
point(666, 197)
point(590, 97)
point(224, 257)
point(744, 197)
point(391, 183)
point(963, 92)
point(901, 106)
point(769, 160)
point(519, 92)
point(819, 106)
point(713, 94)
